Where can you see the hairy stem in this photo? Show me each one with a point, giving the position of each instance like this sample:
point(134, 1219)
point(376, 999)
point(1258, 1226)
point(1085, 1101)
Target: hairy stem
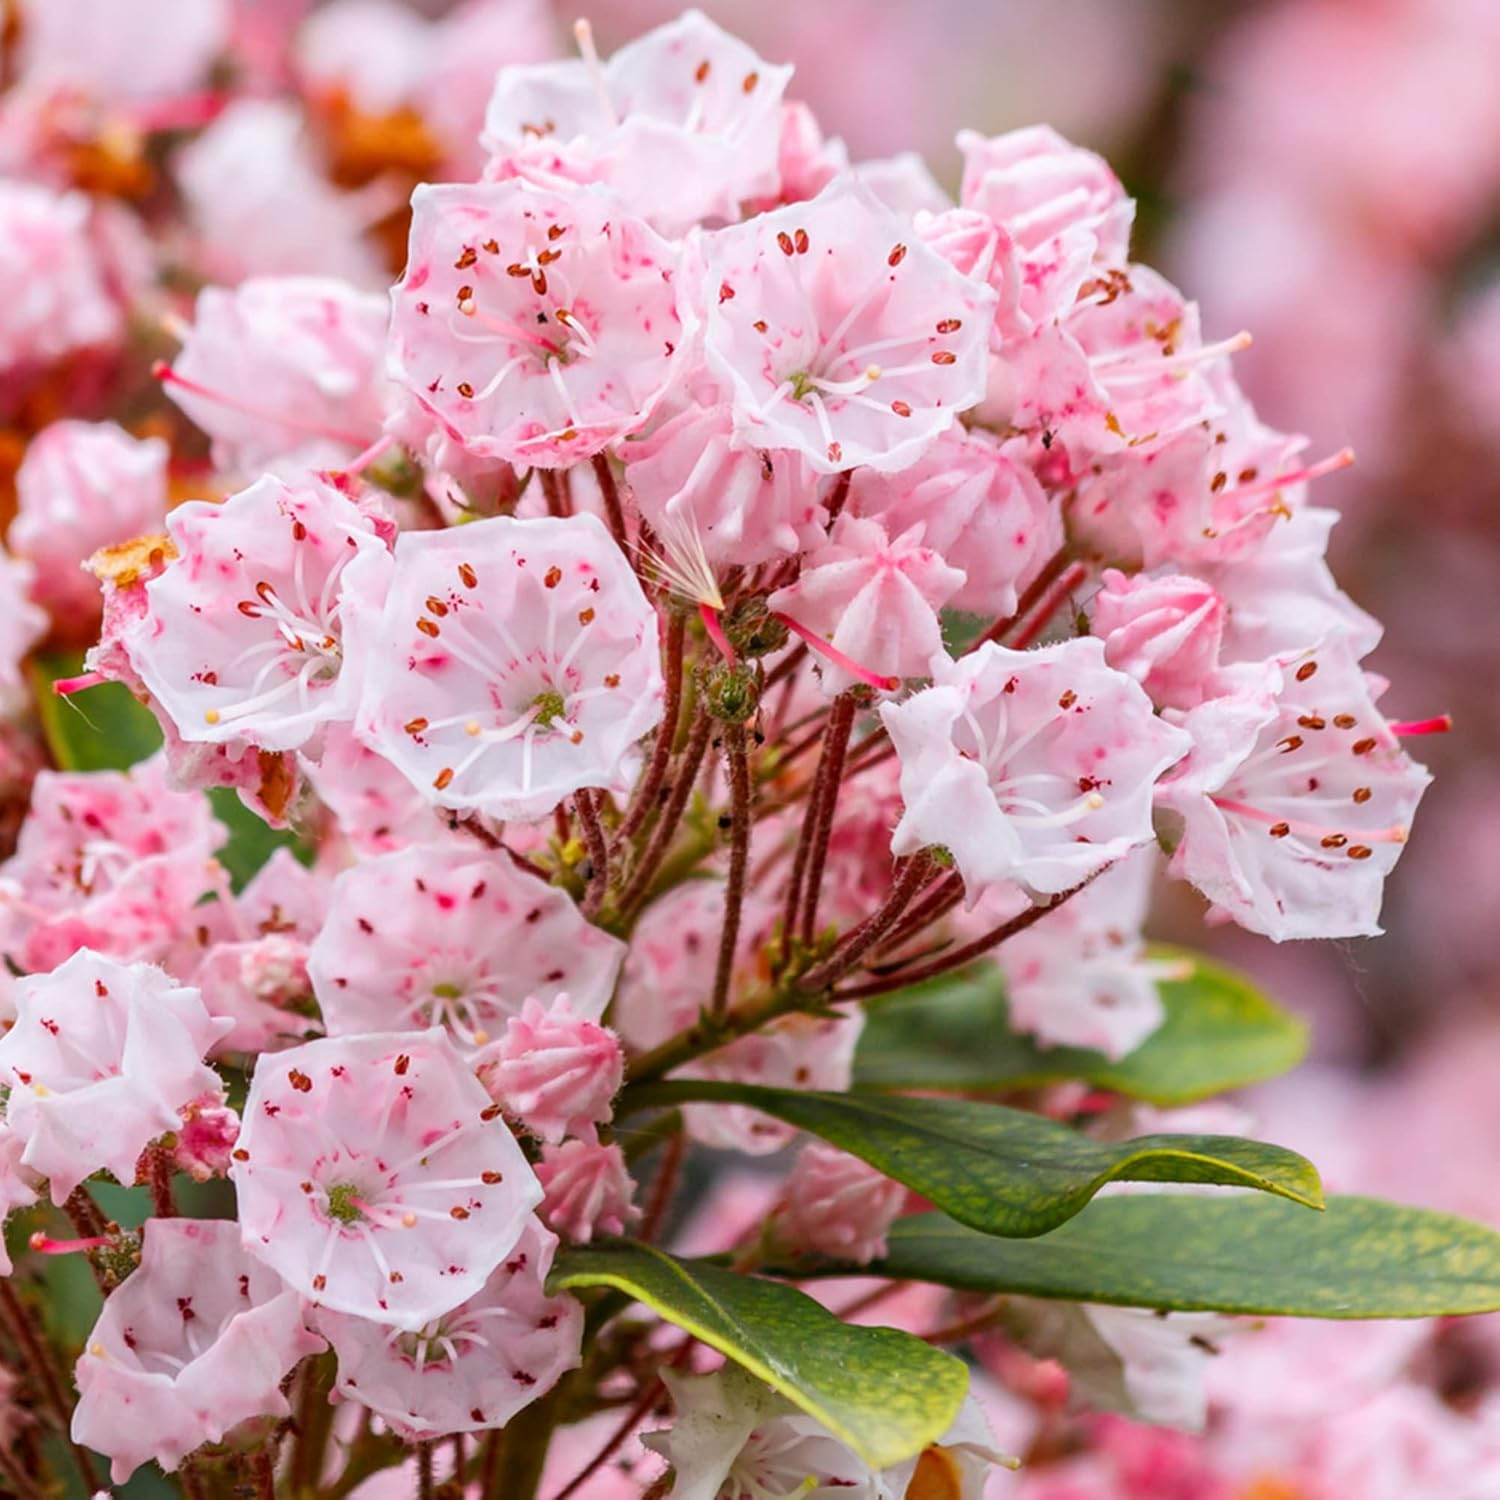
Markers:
point(644, 801)
point(835, 748)
point(739, 862)
point(613, 510)
point(861, 939)
point(587, 803)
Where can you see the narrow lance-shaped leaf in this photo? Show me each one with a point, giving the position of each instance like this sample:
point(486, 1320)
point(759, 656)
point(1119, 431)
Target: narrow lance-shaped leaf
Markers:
point(884, 1393)
point(953, 1035)
point(1363, 1258)
point(1003, 1171)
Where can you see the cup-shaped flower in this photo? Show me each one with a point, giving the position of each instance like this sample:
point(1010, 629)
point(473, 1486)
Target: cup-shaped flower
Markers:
point(280, 364)
point(375, 1175)
point(1165, 632)
point(194, 1342)
point(516, 662)
point(455, 937)
point(244, 634)
point(1297, 797)
point(473, 1368)
point(684, 122)
point(535, 327)
point(838, 334)
point(100, 1060)
point(83, 486)
point(1031, 766)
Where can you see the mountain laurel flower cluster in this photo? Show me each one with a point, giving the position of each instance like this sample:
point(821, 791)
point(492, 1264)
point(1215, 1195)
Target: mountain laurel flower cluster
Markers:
point(604, 781)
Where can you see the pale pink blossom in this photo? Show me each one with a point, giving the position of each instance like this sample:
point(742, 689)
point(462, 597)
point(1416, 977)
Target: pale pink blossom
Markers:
point(533, 326)
point(22, 624)
point(454, 936)
point(1031, 766)
point(875, 596)
point(373, 53)
point(260, 206)
point(83, 486)
point(473, 1368)
point(587, 1189)
point(244, 634)
point(1081, 976)
point(127, 50)
point(1164, 631)
point(692, 479)
point(112, 859)
point(101, 1058)
point(283, 364)
point(376, 1177)
point(979, 506)
point(555, 1072)
point(837, 1205)
point(1296, 799)
point(61, 300)
point(374, 807)
point(516, 662)
point(684, 122)
point(194, 1342)
point(838, 334)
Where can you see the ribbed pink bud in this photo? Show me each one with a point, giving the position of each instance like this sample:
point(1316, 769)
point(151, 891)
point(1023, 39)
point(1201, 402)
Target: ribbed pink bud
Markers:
point(586, 1190)
point(837, 1205)
point(1164, 632)
point(553, 1071)
point(207, 1136)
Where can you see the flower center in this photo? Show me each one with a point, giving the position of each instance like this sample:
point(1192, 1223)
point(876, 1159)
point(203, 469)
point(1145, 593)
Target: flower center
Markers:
point(550, 705)
point(345, 1203)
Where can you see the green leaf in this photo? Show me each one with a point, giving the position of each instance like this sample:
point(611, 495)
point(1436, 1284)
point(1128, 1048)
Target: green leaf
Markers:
point(884, 1393)
point(953, 1035)
point(100, 729)
point(105, 728)
point(1363, 1258)
point(1003, 1171)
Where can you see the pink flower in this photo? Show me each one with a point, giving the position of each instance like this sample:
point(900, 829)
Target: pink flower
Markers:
point(1029, 766)
point(684, 123)
point(1061, 207)
point(376, 1177)
point(82, 486)
point(555, 1072)
point(131, 49)
point(116, 860)
point(516, 662)
point(372, 804)
point(979, 506)
point(22, 624)
point(1081, 977)
point(196, 1341)
point(280, 364)
point(1165, 632)
point(839, 334)
point(476, 1366)
point(587, 1189)
point(692, 479)
point(454, 937)
point(1296, 799)
point(243, 637)
point(259, 204)
point(205, 1137)
point(874, 596)
point(533, 326)
point(45, 248)
point(837, 1205)
point(101, 1058)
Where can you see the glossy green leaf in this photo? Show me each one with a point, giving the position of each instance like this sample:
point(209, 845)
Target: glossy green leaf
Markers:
point(884, 1393)
point(953, 1035)
point(1004, 1171)
point(104, 728)
point(1233, 1253)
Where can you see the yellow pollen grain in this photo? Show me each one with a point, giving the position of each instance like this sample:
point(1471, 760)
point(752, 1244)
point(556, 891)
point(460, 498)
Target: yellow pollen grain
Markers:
point(408, 1220)
point(872, 372)
point(1094, 801)
point(472, 727)
point(210, 716)
point(97, 1349)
